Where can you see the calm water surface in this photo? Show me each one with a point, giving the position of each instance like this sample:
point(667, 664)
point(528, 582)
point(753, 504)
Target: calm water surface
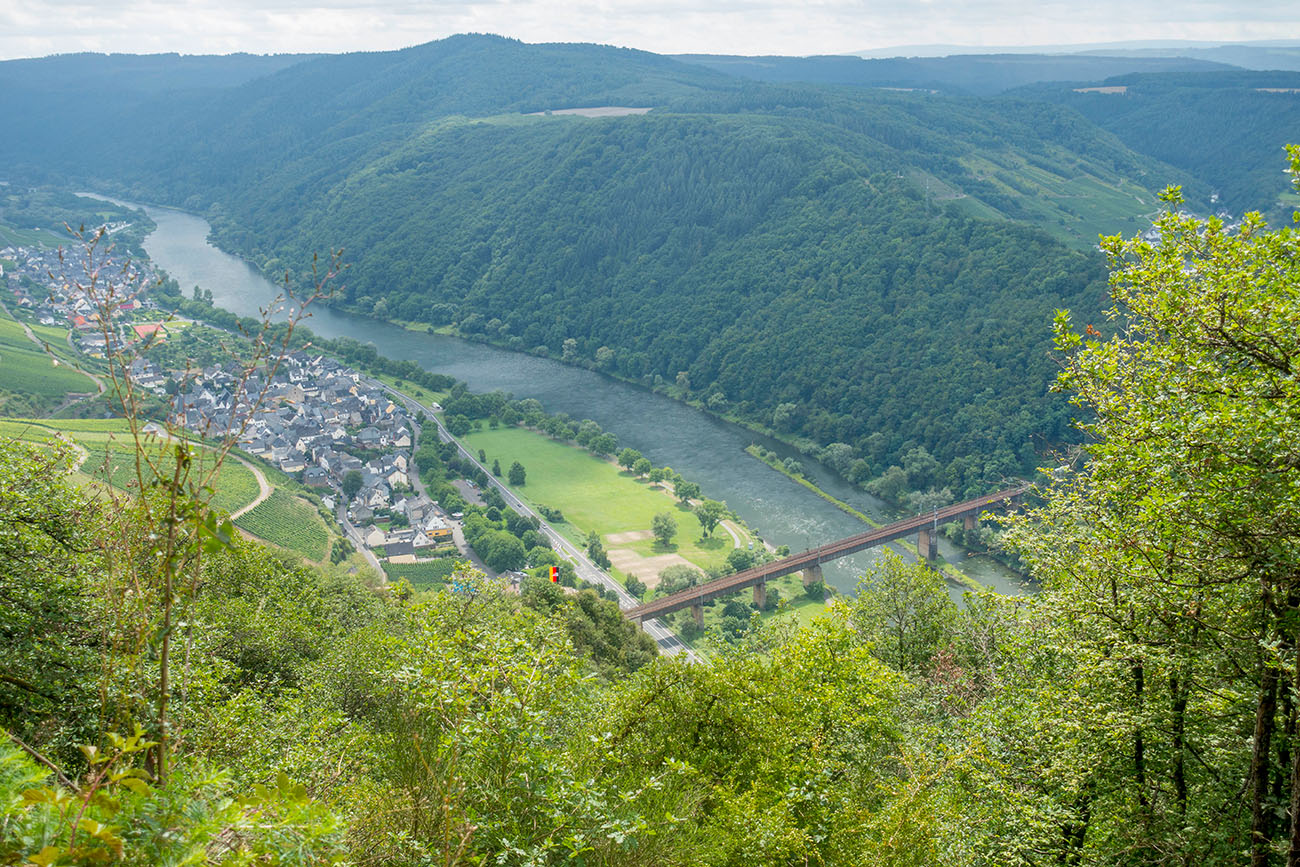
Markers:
point(700, 447)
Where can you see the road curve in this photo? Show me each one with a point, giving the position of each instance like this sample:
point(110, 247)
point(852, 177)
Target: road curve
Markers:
point(263, 489)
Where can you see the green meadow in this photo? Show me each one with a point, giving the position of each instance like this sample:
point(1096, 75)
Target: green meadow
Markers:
point(598, 495)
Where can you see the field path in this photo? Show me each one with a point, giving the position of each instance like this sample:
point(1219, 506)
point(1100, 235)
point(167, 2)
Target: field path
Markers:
point(731, 530)
point(99, 383)
point(264, 489)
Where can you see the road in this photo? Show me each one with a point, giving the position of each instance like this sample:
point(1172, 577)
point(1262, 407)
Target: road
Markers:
point(99, 383)
point(263, 489)
point(354, 536)
point(668, 641)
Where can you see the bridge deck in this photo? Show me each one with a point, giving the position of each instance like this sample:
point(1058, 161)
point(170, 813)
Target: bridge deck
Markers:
point(816, 556)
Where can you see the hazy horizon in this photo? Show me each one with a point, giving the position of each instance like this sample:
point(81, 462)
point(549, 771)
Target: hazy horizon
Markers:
point(38, 28)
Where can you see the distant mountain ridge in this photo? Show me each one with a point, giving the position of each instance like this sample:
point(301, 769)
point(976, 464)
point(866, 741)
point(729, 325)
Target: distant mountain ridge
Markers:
point(838, 264)
point(977, 74)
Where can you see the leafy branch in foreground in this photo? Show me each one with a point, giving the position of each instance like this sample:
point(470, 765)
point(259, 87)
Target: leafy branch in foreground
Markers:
point(154, 574)
point(1172, 556)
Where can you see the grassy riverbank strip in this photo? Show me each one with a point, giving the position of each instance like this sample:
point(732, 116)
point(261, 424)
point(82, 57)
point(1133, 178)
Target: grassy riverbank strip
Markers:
point(598, 496)
point(946, 569)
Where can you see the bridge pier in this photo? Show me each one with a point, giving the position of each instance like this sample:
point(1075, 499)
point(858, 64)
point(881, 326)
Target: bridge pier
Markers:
point(760, 595)
point(812, 575)
point(697, 612)
point(968, 522)
point(925, 545)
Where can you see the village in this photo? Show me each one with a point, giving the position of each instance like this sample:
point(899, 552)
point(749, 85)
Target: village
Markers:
point(309, 416)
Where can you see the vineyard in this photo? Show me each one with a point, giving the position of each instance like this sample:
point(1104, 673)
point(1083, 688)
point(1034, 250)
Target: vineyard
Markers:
point(110, 457)
point(422, 576)
point(290, 523)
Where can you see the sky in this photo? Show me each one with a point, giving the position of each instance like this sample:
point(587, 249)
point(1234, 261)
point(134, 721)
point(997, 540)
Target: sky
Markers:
point(34, 28)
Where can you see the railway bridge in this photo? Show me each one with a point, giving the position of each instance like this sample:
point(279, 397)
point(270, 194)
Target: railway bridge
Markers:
point(924, 527)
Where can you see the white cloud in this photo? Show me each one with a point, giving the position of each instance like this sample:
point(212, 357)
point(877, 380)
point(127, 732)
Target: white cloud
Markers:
point(36, 27)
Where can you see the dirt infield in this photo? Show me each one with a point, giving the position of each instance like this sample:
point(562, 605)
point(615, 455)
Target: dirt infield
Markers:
point(629, 536)
point(646, 569)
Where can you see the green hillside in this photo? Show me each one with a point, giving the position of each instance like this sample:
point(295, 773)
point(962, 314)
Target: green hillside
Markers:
point(876, 265)
point(1227, 129)
point(862, 257)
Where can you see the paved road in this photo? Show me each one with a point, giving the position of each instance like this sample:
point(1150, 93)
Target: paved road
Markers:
point(354, 536)
point(667, 640)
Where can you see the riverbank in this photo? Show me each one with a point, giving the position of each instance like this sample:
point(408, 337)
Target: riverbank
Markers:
point(669, 432)
point(598, 496)
point(945, 568)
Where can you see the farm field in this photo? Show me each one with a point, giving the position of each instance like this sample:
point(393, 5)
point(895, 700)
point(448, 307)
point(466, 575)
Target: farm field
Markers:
point(598, 495)
point(12, 236)
point(110, 456)
point(422, 576)
point(289, 522)
point(27, 369)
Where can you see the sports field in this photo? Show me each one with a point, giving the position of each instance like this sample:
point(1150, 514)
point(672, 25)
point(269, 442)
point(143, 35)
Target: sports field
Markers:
point(598, 495)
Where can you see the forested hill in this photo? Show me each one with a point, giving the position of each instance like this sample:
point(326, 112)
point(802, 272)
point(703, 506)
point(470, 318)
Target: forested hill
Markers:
point(979, 74)
point(202, 141)
point(1226, 128)
point(843, 265)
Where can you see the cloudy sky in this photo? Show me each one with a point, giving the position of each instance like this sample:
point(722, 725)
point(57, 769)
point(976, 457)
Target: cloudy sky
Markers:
point(31, 28)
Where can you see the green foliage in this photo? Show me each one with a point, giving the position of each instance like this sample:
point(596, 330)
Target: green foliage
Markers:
point(685, 491)
point(1170, 559)
point(710, 513)
point(596, 626)
point(118, 816)
point(679, 577)
point(904, 613)
point(740, 559)
point(664, 527)
point(636, 587)
point(501, 551)
point(47, 622)
point(351, 483)
point(288, 521)
point(781, 753)
point(596, 550)
point(517, 474)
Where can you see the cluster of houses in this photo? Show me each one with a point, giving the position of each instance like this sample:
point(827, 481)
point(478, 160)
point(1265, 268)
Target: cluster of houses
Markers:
point(55, 292)
point(312, 417)
point(326, 425)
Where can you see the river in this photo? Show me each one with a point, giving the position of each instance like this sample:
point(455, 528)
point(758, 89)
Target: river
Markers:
point(697, 445)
